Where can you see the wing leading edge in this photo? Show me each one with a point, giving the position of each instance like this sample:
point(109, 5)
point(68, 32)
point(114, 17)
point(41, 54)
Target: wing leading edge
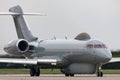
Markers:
point(28, 61)
point(117, 59)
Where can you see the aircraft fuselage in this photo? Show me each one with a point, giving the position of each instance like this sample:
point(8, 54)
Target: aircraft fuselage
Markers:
point(90, 51)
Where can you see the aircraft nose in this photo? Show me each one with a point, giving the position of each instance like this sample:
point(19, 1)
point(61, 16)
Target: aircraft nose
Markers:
point(107, 56)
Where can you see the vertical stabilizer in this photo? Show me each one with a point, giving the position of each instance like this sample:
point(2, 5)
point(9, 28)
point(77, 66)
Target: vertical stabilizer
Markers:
point(22, 30)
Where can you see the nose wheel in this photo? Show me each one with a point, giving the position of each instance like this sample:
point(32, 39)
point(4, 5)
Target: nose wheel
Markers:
point(100, 74)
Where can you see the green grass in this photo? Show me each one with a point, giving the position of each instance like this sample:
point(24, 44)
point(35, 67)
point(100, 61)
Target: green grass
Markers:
point(26, 71)
point(112, 71)
point(48, 71)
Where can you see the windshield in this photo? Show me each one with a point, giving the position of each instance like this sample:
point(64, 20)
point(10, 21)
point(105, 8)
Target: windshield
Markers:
point(96, 46)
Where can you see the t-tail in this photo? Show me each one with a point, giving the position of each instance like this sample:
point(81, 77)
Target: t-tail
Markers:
point(22, 29)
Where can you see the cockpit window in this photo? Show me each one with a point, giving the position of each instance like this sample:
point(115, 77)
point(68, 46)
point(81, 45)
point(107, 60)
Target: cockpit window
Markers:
point(104, 46)
point(96, 46)
point(90, 46)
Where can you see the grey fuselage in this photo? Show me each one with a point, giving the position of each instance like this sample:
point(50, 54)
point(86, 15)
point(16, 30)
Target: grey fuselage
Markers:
point(73, 51)
point(67, 51)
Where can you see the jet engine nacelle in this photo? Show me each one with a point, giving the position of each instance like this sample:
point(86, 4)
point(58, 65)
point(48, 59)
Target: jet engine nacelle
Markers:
point(17, 46)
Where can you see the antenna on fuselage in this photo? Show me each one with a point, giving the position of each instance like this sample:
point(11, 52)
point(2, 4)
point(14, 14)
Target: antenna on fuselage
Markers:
point(53, 38)
point(66, 37)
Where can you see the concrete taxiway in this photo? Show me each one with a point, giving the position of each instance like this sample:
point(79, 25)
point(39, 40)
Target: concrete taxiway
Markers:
point(58, 77)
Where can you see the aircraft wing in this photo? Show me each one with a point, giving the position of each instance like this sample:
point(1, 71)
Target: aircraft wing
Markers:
point(28, 61)
point(117, 59)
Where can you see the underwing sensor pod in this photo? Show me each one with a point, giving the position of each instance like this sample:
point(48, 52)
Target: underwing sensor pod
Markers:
point(17, 46)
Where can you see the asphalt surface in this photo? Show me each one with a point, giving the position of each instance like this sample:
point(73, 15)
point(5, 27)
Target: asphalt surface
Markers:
point(58, 77)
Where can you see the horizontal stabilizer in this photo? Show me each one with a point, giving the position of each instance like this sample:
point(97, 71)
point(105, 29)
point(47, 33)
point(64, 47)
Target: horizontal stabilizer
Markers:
point(8, 13)
point(12, 13)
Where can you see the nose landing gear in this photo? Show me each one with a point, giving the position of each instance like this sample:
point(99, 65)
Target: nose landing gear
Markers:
point(99, 72)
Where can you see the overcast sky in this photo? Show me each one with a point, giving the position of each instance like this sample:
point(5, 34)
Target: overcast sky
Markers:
point(99, 18)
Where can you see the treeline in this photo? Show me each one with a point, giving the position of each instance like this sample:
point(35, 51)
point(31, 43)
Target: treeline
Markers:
point(106, 66)
point(116, 53)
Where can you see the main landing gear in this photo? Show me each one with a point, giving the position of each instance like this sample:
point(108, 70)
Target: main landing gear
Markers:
point(67, 74)
point(34, 71)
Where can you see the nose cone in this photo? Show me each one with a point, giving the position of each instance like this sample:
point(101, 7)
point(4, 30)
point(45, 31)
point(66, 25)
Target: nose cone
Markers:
point(106, 55)
point(103, 55)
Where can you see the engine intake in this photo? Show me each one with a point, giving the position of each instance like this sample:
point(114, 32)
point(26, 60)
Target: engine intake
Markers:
point(23, 46)
point(17, 46)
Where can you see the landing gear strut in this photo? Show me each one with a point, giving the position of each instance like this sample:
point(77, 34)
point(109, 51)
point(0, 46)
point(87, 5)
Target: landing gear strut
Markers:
point(34, 71)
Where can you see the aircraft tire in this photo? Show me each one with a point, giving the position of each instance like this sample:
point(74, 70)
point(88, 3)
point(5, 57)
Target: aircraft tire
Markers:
point(99, 74)
point(32, 71)
point(66, 74)
point(71, 75)
point(37, 72)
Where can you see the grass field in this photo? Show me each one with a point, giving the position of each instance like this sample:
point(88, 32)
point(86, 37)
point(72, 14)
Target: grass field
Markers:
point(26, 71)
point(114, 71)
point(47, 71)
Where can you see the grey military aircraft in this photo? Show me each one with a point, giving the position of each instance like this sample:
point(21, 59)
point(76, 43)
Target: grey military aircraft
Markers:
point(81, 55)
